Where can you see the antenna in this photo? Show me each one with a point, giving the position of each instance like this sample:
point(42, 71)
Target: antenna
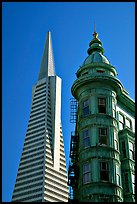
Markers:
point(95, 34)
point(94, 27)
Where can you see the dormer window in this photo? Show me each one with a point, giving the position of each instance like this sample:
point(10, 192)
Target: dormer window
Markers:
point(100, 71)
point(102, 105)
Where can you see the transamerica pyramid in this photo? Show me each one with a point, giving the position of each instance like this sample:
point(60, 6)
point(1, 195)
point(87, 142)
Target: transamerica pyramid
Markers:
point(42, 175)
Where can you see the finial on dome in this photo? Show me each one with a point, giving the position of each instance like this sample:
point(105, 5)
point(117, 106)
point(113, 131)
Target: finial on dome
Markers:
point(95, 34)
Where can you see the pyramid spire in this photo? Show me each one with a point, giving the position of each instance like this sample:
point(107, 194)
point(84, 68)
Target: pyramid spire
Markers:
point(47, 62)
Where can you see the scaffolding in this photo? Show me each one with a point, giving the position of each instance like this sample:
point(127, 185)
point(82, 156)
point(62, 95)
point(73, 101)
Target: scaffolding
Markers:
point(73, 110)
point(73, 170)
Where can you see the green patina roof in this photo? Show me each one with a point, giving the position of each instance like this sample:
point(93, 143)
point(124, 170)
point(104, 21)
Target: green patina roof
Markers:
point(95, 51)
point(96, 57)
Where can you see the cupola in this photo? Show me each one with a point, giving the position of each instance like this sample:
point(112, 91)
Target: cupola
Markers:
point(95, 51)
point(96, 62)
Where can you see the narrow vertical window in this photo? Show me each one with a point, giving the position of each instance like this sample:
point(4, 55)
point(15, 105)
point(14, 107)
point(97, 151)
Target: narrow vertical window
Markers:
point(121, 122)
point(131, 151)
point(103, 138)
point(133, 183)
point(126, 180)
point(114, 108)
point(102, 105)
point(86, 138)
point(86, 173)
point(86, 107)
point(128, 123)
point(123, 149)
point(104, 171)
point(117, 175)
point(115, 141)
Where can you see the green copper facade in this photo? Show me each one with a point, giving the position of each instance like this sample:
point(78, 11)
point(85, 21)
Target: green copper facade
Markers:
point(102, 163)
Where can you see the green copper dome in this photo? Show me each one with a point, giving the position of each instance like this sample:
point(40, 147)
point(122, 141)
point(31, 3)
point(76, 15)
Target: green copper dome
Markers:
point(95, 52)
point(96, 57)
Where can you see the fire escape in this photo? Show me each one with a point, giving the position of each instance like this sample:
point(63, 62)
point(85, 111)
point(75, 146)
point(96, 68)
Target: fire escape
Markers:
point(73, 170)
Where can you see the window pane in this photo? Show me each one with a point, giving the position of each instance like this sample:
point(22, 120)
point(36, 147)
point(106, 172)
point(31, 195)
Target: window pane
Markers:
point(85, 133)
point(121, 126)
point(105, 175)
point(104, 171)
point(131, 146)
point(101, 101)
point(102, 105)
point(133, 187)
point(86, 178)
point(121, 118)
point(86, 103)
point(133, 183)
point(131, 154)
point(86, 110)
point(128, 123)
point(86, 167)
point(103, 136)
point(104, 165)
point(131, 151)
point(86, 142)
point(86, 173)
point(103, 131)
point(133, 178)
point(103, 140)
point(86, 138)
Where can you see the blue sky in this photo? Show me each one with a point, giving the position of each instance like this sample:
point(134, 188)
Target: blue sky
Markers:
point(24, 27)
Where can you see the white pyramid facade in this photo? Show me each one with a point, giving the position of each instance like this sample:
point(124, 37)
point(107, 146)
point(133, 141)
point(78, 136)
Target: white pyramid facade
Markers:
point(42, 175)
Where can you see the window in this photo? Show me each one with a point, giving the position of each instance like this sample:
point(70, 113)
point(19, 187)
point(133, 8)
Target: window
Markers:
point(131, 151)
point(115, 141)
point(126, 182)
point(86, 107)
point(103, 138)
point(133, 183)
point(86, 173)
point(86, 138)
point(128, 123)
point(121, 122)
point(104, 171)
point(102, 105)
point(100, 71)
point(117, 175)
point(113, 109)
point(123, 149)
